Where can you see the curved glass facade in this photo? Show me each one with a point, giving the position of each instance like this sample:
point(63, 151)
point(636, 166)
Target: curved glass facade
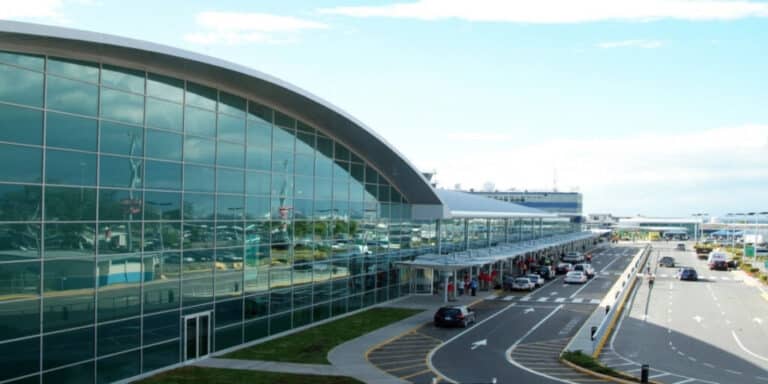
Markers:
point(129, 199)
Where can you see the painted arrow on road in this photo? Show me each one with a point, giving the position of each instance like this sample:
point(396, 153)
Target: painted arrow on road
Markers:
point(697, 318)
point(479, 343)
point(528, 310)
point(758, 320)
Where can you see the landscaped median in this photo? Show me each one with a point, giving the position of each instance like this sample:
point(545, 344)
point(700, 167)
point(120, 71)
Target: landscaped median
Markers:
point(310, 346)
point(591, 366)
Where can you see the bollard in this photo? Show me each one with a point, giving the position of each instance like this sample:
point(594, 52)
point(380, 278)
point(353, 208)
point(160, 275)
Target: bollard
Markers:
point(592, 332)
point(644, 373)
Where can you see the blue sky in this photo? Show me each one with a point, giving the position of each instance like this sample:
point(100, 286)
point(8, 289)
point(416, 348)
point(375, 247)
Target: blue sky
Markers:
point(654, 107)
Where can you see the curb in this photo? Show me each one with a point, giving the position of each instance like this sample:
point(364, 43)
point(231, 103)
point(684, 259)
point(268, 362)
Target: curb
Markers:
point(600, 375)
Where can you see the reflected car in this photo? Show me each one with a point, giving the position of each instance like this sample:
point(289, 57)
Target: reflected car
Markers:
point(460, 315)
point(687, 274)
point(575, 277)
point(667, 261)
point(563, 268)
point(537, 280)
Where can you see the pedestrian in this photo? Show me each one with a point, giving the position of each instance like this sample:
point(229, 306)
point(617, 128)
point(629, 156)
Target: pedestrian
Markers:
point(450, 290)
point(473, 286)
point(650, 281)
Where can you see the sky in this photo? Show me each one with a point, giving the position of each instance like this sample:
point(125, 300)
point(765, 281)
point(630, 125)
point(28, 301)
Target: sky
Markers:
point(651, 107)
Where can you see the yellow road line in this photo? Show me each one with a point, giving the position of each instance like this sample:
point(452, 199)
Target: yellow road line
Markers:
point(406, 367)
point(416, 374)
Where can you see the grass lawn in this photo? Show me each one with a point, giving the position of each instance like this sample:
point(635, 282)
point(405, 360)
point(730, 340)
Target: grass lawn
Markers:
point(194, 375)
point(311, 346)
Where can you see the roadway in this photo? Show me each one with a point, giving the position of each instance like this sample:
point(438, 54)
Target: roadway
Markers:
point(710, 331)
point(520, 340)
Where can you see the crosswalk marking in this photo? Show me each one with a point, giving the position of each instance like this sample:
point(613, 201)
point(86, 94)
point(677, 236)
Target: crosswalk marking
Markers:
point(594, 301)
point(508, 298)
point(577, 300)
point(527, 298)
point(559, 299)
point(543, 299)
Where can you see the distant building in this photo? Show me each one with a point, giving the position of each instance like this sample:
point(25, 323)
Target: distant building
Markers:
point(562, 203)
point(600, 221)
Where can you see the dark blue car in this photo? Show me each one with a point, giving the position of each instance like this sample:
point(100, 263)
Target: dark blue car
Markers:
point(687, 274)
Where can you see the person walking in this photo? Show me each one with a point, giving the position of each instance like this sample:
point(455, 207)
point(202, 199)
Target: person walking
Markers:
point(473, 286)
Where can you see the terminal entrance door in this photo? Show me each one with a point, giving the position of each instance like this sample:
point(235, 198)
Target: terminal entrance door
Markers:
point(197, 335)
point(422, 280)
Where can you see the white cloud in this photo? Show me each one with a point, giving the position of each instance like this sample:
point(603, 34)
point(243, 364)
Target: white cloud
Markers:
point(631, 43)
point(234, 28)
point(560, 11)
point(31, 9)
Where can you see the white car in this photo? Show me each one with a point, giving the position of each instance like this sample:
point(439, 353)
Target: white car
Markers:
point(537, 280)
point(523, 284)
point(575, 277)
point(573, 257)
point(586, 268)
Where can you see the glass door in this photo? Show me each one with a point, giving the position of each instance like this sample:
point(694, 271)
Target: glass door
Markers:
point(197, 335)
point(422, 281)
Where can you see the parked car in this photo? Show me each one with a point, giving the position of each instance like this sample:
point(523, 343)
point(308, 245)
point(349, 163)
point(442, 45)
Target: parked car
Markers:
point(523, 284)
point(586, 268)
point(460, 315)
point(687, 273)
point(545, 272)
point(680, 246)
point(667, 261)
point(575, 277)
point(573, 257)
point(563, 268)
point(537, 280)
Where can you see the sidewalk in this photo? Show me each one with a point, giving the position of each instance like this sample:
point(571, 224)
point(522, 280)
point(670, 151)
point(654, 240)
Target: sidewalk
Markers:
point(349, 359)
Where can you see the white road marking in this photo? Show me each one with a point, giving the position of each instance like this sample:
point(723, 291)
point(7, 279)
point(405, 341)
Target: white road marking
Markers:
point(758, 320)
point(743, 348)
point(761, 378)
point(579, 300)
point(708, 365)
point(560, 300)
point(553, 294)
point(479, 343)
point(490, 297)
point(684, 381)
point(508, 352)
point(733, 372)
point(594, 301)
point(691, 358)
point(582, 287)
point(526, 298)
point(508, 298)
point(543, 299)
point(659, 375)
point(528, 310)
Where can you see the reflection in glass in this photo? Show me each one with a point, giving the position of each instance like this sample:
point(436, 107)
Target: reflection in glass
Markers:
point(198, 235)
point(21, 316)
point(259, 159)
point(70, 132)
point(258, 207)
point(74, 168)
point(20, 164)
point(68, 293)
point(258, 183)
point(232, 105)
point(121, 139)
point(230, 181)
point(70, 204)
point(199, 122)
point(119, 289)
point(229, 207)
point(67, 348)
point(162, 175)
point(231, 128)
point(72, 96)
point(122, 78)
point(69, 240)
point(20, 125)
point(114, 368)
point(164, 114)
point(201, 96)
point(230, 155)
point(122, 106)
point(122, 172)
point(119, 204)
point(163, 145)
point(162, 206)
point(23, 60)
point(199, 150)
point(74, 69)
point(119, 238)
point(162, 236)
point(165, 87)
point(19, 241)
point(20, 202)
point(198, 206)
point(199, 179)
point(21, 86)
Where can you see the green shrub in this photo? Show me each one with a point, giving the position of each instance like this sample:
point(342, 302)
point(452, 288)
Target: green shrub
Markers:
point(754, 270)
point(764, 277)
point(746, 267)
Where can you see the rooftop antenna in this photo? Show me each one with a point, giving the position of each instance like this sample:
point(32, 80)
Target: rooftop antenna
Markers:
point(554, 180)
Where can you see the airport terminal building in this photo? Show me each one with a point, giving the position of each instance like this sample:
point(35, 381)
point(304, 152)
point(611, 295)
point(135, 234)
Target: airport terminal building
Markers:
point(157, 206)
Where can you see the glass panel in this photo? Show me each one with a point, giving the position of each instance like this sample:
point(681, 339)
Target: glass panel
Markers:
point(67, 348)
point(305, 143)
point(114, 368)
point(164, 114)
point(161, 327)
point(163, 145)
point(231, 155)
point(120, 238)
point(160, 356)
point(122, 78)
point(229, 312)
point(119, 204)
point(74, 168)
point(260, 133)
point(165, 87)
point(305, 165)
point(199, 179)
point(198, 235)
point(121, 139)
point(162, 206)
point(203, 335)
point(117, 337)
point(259, 159)
point(231, 128)
point(197, 291)
point(161, 295)
point(228, 337)
point(19, 358)
point(72, 96)
point(68, 240)
point(22, 164)
point(201, 96)
point(77, 374)
point(23, 60)
point(74, 69)
point(21, 317)
point(231, 104)
point(198, 206)
point(162, 175)
point(21, 86)
point(200, 122)
point(199, 150)
point(230, 181)
point(229, 208)
point(21, 125)
point(122, 106)
point(19, 202)
point(258, 183)
point(258, 207)
point(70, 132)
point(283, 139)
point(282, 162)
point(161, 237)
point(70, 204)
point(19, 241)
point(258, 112)
point(121, 172)
point(280, 323)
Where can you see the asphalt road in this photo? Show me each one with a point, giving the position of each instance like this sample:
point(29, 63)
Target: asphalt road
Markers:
point(710, 331)
point(551, 315)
